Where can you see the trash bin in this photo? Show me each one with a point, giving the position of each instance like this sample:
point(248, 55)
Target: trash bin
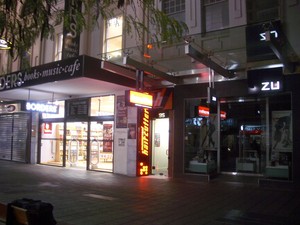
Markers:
point(38, 212)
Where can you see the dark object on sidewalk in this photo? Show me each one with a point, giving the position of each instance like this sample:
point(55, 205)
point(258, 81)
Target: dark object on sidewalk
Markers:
point(38, 212)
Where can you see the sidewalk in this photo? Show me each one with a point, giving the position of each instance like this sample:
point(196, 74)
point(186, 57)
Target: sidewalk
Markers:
point(84, 197)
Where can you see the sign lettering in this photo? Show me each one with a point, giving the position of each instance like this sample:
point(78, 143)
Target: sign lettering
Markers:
point(270, 86)
point(143, 159)
point(48, 72)
point(263, 36)
point(40, 107)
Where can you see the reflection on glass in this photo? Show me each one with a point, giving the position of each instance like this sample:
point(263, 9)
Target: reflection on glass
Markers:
point(101, 146)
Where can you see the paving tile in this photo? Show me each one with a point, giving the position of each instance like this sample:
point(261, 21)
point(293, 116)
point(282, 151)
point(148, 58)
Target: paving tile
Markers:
point(84, 197)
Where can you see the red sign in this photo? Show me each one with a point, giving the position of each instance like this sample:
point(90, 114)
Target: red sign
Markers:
point(143, 159)
point(47, 128)
point(204, 111)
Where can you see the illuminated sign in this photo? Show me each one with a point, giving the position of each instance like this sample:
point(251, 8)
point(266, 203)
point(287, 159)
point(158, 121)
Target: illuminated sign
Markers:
point(9, 108)
point(257, 37)
point(41, 107)
point(135, 98)
point(265, 81)
point(263, 36)
point(204, 111)
point(143, 159)
point(268, 86)
point(47, 128)
point(4, 45)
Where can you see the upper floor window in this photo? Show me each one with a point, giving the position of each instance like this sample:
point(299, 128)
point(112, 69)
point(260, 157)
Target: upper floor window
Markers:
point(113, 37)
point(58, 47)
point(260, 11)
point(174, 9)
point(216, 14)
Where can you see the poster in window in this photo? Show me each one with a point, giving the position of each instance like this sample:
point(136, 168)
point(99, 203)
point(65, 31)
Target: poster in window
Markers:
point(132, 131)
point(107, 137)
point(47, 128)
point(121, 114)
point(282, 131)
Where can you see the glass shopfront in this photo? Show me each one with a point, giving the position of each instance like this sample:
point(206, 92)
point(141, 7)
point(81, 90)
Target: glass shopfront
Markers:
point(254, 137)
point(201, 143)
point(84, 142)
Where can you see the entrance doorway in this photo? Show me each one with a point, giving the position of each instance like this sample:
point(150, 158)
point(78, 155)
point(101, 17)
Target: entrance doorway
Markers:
point(243, 137)
point(76, 144)
point(160, 146)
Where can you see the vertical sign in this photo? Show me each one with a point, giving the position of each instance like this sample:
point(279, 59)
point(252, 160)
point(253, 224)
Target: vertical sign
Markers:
point(71, 35)
point(143, 154)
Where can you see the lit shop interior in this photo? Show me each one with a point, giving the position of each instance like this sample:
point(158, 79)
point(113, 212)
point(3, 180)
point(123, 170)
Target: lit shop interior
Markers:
point(85, 140)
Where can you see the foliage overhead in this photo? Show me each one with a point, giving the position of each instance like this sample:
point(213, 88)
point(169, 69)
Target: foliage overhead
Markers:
point(22, 22)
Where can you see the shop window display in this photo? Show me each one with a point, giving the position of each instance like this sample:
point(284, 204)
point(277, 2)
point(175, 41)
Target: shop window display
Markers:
point(200, 138)
point(280, 154)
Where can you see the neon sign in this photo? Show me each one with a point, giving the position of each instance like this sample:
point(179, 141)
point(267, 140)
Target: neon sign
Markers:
point(40, 107)
point(144, 144)
point(135, 98)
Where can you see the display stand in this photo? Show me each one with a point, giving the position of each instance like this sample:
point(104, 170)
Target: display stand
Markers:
point(199, 167)
point(280, 171)
point(248, 163)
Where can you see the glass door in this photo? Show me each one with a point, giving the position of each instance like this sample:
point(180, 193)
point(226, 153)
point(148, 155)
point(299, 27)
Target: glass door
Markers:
point(160, 147)
point(243, 136)
point(52, 143)
point(101, 146)
point(76, 144)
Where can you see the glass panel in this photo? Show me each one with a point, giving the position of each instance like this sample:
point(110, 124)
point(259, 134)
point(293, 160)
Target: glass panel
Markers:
point(101, 146)
point(61, 111)
point(200, 150)
point(52, 143)
point(243, 136)
point(114, 27)
point(58, 47)
point(103, 106)
point(114, 44)
point(279, 158)
point(76, 144)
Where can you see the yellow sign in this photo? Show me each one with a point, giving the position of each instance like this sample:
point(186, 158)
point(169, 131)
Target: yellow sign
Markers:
point(140, 99)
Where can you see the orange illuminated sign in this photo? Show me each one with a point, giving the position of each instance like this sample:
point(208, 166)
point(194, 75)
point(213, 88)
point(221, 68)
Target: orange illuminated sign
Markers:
point(144, 144)
point(204, 111)
point(135, 98)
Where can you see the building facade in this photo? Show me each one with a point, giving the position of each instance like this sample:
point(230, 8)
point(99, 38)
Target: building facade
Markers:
point(224, 97)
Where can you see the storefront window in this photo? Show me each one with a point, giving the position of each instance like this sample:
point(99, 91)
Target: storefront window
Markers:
point(200, 150)
point(103, 106)
point(52, 143)
point(280, 154)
